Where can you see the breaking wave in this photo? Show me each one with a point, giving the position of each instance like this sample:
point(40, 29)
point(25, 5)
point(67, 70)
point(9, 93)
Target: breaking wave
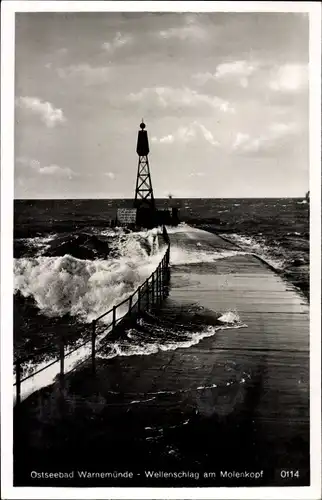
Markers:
point(257, 246)
point(149, 337)
point(87, 288)
point(182, 256)
point(193, 251)
point(230, 318)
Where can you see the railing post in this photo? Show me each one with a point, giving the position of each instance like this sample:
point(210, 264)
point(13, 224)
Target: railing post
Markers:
point(160, 281)
point(147, 295)
point(62, 356)
point(163, 279)
point(62, 361)
point(157, 286)
point(139, 299)
point(162, 276)
point(93, 346)
point(152, 290)
point(18, 382)
point(114, 316)
point(168, 270)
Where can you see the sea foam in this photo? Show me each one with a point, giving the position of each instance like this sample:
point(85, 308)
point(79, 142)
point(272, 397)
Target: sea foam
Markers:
point(87, 288)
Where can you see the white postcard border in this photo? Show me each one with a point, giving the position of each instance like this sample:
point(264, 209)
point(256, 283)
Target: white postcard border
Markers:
point(7, 161)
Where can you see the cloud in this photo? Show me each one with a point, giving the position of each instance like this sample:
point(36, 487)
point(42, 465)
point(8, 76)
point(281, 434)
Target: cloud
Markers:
point(110, 175)
point(273, 136)
point(289, 78)
point(187, 134)
point(240, 140)
point(189, 31)
point(167, 139)
point(51, 170)
point(235, 68)
point(282, 129)
point(203, 78)
point(119, 40)
point(196, 174)
point(165, 97)
point(56, 170)
point(50, 115)
point(239, 70)
point(91, 75)
point(207, 135)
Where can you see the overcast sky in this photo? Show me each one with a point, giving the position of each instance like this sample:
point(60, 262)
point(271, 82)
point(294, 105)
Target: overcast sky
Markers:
point(224, 97)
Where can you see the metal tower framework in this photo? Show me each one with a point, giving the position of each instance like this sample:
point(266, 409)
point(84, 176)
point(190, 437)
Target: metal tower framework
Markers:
point(143, 190)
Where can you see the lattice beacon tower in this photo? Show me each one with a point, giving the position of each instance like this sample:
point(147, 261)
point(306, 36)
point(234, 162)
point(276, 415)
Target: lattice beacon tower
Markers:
point(143, 198)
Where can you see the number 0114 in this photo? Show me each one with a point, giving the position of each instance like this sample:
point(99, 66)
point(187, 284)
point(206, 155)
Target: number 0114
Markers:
point(289, 473)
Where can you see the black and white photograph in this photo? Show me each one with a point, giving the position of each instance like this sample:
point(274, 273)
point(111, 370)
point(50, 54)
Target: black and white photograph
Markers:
point(162, 324)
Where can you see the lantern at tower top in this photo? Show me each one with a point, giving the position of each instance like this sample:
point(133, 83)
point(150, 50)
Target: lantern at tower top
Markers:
point(142, 147)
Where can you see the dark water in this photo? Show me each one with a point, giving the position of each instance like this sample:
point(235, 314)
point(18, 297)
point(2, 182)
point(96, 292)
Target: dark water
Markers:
point(36, 217)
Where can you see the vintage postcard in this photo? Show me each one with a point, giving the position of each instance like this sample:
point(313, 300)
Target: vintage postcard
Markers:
point(160, 249)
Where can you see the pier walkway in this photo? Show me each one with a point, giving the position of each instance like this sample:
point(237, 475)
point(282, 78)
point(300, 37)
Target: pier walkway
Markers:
point(237, 399)
point(270, 356)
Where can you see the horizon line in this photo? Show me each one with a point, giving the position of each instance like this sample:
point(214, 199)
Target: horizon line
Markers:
point(166, 198)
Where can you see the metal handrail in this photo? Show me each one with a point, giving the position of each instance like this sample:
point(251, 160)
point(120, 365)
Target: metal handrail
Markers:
point(151, 285)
